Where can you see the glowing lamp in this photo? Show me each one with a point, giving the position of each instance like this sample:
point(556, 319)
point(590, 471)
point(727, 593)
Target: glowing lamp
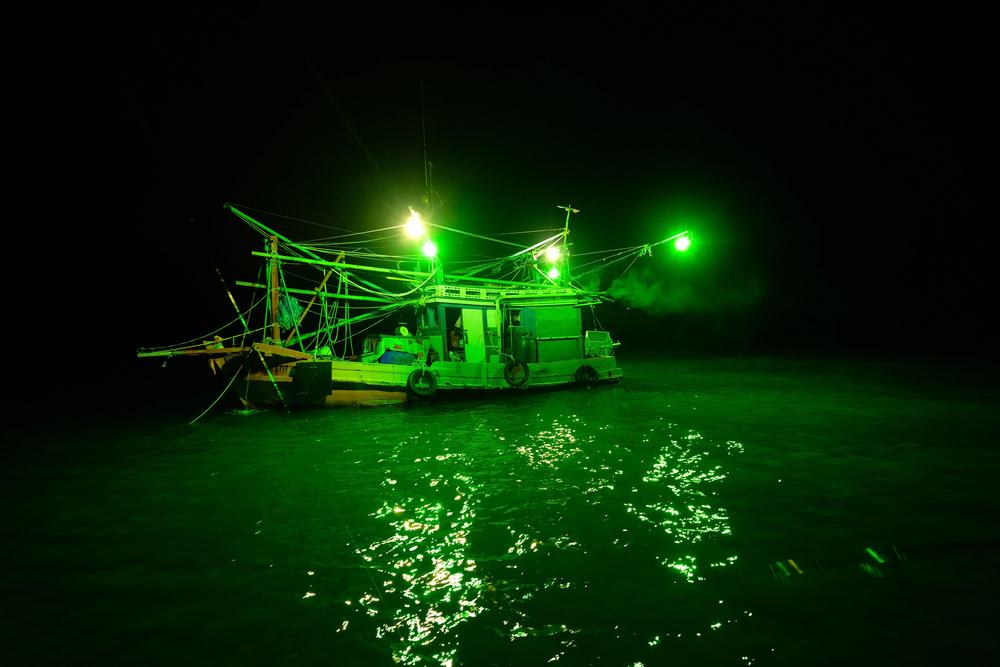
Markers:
point(430, 250)
point(682, 244)
point(552, 253)
point(553, 273)
point(413, 226)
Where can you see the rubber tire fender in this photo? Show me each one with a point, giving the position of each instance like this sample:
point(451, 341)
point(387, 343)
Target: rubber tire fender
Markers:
point(508, 373)
point(425, 375)
point(586, 376)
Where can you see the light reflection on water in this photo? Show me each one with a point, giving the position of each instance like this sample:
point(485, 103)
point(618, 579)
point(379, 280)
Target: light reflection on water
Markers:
point(425, 563)
point(589, 529)
point(684, 511)
point(476, 534)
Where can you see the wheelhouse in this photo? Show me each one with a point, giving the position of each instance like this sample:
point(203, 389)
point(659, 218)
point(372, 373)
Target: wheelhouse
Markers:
point(488, 325)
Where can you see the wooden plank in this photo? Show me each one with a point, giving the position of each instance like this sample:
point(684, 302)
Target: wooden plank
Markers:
point(281, 351)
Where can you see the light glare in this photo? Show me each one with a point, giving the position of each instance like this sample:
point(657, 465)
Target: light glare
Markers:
point(682, 244)
point(413, 226)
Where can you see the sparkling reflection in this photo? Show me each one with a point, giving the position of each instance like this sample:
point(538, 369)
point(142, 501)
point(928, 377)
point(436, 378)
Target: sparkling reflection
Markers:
point(424, 568)
point(524, 534)
point(553, 445)
point(682, 506)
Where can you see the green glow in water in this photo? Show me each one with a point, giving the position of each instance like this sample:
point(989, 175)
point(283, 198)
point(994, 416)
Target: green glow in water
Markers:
point(244, 413)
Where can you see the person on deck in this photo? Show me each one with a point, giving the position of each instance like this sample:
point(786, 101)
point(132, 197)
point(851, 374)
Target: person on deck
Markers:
point(456, 343)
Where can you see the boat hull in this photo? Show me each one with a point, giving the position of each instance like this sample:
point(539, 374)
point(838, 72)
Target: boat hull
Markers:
point(336, 383)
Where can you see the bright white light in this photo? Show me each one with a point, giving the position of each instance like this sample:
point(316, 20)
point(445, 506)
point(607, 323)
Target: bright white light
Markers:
point(552, 253)
point(413, 226)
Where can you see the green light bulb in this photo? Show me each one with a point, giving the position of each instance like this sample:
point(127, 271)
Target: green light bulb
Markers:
point(553, 273)
point(682, 244)
point(430, 250)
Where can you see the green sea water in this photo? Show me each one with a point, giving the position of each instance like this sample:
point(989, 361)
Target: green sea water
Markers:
point(763, 510)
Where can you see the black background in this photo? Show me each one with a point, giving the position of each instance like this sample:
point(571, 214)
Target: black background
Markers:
point(833, 166)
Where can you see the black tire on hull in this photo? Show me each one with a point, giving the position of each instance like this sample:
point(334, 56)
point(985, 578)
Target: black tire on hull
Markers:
point(586, 376)
point(523, 373)
point(422, 383)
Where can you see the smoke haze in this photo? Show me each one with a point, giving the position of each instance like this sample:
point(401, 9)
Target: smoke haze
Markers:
point(643, 289)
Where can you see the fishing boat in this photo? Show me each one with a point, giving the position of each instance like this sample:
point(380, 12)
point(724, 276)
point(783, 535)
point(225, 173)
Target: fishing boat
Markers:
point(510, 323)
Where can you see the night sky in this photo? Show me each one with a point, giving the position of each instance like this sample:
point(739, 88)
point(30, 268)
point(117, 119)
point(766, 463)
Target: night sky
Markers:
point(831, 166)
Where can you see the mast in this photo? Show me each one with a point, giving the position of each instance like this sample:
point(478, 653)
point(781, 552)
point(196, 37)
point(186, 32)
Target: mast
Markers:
point(434, 264)
point(563, 259)
point(275, 327)
point(428, 167)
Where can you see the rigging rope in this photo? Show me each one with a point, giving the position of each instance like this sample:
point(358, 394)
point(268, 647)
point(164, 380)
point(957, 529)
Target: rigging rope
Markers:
point(220, 396)
point(308, 222)
point(198, 342)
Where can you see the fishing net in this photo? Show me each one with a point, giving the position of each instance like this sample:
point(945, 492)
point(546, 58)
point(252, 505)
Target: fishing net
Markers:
point(289, 312)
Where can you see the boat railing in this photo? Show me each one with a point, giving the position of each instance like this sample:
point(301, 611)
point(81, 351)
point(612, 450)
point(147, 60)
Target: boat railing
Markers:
point(492, 293)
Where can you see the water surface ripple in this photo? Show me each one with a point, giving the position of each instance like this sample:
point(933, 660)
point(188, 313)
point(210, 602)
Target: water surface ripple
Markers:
point(700, 511)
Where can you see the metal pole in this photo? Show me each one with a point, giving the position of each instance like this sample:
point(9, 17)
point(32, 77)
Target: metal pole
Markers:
point(275, 328)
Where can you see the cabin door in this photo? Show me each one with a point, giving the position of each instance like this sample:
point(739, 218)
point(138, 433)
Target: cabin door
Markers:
point(475, 342)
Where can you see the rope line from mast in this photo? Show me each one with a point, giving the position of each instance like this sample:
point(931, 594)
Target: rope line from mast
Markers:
point(308, 222)
point(199, 342)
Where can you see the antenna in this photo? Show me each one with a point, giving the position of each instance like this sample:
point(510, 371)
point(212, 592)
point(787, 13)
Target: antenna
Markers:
point(423, 128)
